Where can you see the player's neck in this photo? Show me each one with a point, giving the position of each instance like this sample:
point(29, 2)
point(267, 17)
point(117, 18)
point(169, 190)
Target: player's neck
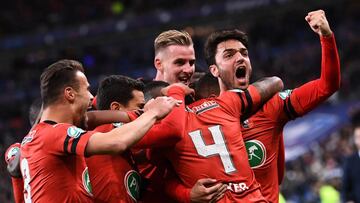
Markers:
point(223, 87)
point(58, 113)
point(159, 76)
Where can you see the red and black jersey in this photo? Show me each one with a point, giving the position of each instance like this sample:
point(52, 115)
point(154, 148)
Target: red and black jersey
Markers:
point(53, 164)
point(263, 132)
point(212, 145)
point(114, 178)
point(17, 182)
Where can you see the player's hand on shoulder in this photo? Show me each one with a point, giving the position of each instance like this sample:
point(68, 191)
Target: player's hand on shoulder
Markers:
point(318, 22)
point(161, 106)
point(207, 190)
point(187, 89)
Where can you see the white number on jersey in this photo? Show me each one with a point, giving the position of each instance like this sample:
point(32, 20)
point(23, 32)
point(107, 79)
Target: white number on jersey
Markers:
point(26, 176)
point(219, 148)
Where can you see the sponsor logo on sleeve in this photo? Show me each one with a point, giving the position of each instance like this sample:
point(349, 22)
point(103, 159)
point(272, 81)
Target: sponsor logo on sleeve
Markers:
point(74, 132)
point(256, 153)
point(132, 184)
point(28, 138)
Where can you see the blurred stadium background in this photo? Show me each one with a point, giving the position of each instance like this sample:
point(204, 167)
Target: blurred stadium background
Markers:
point(116, 37)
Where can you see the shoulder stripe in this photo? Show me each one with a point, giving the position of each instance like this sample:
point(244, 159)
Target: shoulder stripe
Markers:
point(250, 104)
point(291, 108)
point(74, 145)
point(66, 143)
point(242, 102)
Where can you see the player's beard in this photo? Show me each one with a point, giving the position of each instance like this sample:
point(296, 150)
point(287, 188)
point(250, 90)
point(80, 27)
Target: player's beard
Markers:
point(227, 78)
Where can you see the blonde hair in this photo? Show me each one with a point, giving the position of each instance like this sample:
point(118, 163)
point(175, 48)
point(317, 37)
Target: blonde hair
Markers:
point(172, 37)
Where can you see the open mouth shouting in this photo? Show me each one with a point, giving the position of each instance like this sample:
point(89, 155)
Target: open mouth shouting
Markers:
point(240, 74)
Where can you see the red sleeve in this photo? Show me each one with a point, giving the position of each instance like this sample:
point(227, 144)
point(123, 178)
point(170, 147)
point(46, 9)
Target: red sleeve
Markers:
point(68, 139)
point(17, 182)
point(18, 188)
point(311, 94)
point(290, 104)
point(169, 130)
point(241, 103)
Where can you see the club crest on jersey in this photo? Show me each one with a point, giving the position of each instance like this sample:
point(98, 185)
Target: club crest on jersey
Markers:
point(74, 132)
point(116, 125)
point(86, 181)
point(285, 94)
point(132, 181)
point(256, 153)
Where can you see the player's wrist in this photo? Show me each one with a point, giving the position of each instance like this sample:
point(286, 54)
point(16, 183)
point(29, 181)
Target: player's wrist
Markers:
point(152, 113)
point(326, 33)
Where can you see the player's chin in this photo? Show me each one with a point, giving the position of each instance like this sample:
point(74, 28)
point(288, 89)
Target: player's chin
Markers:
point(243, 84)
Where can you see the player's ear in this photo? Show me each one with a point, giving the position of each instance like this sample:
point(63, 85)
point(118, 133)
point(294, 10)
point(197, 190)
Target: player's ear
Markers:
point(116, 106)
point(214, 70)
point(157, 64)
point(69, 94)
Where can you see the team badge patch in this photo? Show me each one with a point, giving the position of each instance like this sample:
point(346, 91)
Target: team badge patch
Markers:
point(132, 181)
point(74, 132)
point(256, 153)
point(236, 90)
point(86, 181)
point(12, 152)
point(285, 94)
point(116, 125)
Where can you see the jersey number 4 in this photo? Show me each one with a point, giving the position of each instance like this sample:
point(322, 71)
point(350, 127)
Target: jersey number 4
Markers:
point(218, 148)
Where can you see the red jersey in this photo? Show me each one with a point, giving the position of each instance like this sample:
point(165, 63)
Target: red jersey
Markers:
point(263, 132)
point(153, 168)
point(17, 182)
point(212, 145)
point(53, 164)
point(113, 177)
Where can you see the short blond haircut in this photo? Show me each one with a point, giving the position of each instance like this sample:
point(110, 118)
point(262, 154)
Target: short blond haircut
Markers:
point(172, 37)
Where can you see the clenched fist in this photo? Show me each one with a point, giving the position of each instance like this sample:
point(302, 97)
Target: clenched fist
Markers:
point(318, 22)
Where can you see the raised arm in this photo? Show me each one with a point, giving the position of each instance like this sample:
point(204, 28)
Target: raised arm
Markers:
point(120, 139)
point(306, 97)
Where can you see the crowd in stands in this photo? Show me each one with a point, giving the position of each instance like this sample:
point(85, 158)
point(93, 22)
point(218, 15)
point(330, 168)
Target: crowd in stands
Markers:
point(281, 45)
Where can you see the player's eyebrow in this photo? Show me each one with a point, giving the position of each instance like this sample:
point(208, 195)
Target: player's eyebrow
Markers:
point(233, 49)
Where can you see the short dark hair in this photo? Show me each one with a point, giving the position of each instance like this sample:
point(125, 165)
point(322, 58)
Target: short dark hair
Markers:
point(56, 77)
point(219, 36)
point(117, 88)
point(152, 89)
point(206, 86)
